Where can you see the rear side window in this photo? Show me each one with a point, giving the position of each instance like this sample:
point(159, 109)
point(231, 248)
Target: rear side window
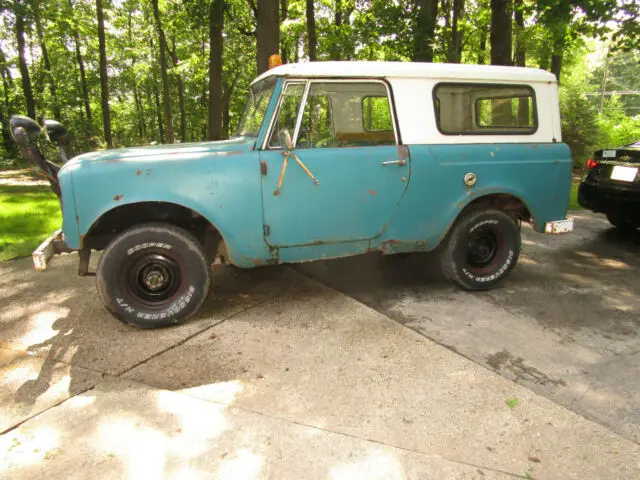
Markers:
point(482, 109)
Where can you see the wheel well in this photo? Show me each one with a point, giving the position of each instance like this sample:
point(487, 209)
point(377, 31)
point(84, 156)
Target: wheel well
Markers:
point(509, 204)
point(120, 218)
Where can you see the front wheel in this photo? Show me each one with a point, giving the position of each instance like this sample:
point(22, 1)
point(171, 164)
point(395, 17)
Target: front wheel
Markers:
point(153, 275)
point(481, 249)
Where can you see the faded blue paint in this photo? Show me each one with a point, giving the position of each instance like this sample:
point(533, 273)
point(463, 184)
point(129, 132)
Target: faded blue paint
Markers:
point(358, 205)
point(219, 180)
point(354, 199)
point(537, 174)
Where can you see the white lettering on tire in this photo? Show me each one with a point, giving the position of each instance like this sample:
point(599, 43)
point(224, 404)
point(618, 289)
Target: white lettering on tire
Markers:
point(143, 246)
point(488, 278)
point(173, 309)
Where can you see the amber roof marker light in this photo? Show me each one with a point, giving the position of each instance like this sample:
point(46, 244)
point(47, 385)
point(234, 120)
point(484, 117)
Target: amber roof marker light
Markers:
point(275, 60)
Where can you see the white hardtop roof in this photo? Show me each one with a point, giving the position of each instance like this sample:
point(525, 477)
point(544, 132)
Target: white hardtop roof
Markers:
point(440, 71)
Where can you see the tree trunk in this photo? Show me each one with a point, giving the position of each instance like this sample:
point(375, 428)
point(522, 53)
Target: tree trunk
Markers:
point(7, 141)
point(284, 48)
point(267, 32)
point(520, 58)
point(501, 32)
point(166, 99)
point(424, 35)
point(83, 76)
point(520, 51)
point(556, 63)
point(454, 54)
point(216, 26)
point(104, 79)
point(311, 32)
point(45, 58)
point(156, 98)
point(142, 127)
point(22, 60)
point(482, 50)
point(180, 85)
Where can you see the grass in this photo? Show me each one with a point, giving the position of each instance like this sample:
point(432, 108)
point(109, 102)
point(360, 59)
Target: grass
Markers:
point(512, 402)
point(573, 197)
point(28, 215)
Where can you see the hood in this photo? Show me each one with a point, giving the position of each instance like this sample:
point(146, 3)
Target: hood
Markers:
point(167, 152)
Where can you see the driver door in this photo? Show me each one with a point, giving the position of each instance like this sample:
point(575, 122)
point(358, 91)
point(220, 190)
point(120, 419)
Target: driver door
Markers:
point(343, 135)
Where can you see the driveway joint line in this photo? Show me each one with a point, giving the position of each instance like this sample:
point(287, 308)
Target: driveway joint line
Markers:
point(326, 430)
point(57, 404)
point(186, 339)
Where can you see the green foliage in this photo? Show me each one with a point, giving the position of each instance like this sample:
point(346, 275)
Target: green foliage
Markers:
point(580, 129)
point(28, 215)
point(346, 30)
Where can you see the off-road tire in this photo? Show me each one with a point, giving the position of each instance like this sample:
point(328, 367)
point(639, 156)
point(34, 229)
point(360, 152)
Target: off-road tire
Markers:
point(153, 275)
point(459, 254)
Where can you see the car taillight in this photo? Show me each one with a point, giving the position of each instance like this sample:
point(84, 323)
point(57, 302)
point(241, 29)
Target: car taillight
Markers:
point(591, 163)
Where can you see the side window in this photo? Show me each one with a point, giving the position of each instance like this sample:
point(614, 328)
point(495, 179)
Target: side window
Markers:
point(376, 114)
point(288, 113)
point(478, 109)
point(346, 114)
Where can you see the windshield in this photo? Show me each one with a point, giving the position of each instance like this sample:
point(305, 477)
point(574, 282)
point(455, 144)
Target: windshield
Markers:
point(255, 108)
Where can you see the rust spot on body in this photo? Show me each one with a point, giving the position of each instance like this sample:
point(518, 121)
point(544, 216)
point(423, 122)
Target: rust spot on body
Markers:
point(372, 192)
point(138, 172)
point(117, 198)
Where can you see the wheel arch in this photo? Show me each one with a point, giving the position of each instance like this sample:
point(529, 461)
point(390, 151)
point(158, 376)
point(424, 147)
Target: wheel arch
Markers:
point(507, 202)
point(117, 219)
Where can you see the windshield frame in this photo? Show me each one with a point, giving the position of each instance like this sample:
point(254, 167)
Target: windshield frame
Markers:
point(262, 92)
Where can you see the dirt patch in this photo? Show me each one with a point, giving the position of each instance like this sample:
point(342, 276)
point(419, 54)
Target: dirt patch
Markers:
point(23, 176)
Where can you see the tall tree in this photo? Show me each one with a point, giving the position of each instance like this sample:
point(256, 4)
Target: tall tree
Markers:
point(454, 52)
point(45, 58)
point(81, 69)
point(267, 31)
point(25, 77)
point(104, 78)
point(312, 40)
point(425, 28)
point(166, 99)
point(501, 32)
point(216, 27)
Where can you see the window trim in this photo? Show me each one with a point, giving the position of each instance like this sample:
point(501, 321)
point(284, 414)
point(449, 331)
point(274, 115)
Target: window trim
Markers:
point(309, 80)
point(494, 130)
point(362, 105)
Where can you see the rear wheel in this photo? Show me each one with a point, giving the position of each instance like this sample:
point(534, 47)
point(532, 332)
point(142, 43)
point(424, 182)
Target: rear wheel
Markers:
point(153, 275)
point(622, 222)
point(481, 249)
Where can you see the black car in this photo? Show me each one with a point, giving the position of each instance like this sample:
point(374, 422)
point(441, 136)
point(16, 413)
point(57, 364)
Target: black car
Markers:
point(612, 185)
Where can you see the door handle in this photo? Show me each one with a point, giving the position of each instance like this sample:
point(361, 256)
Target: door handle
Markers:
point(400, 163)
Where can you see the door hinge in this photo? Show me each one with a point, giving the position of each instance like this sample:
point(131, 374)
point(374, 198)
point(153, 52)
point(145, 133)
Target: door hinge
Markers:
point(267, 230)
point(263, 167)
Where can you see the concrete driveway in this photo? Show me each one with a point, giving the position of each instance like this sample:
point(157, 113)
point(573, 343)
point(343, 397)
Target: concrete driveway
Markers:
point(566, 324)
point(281, 376)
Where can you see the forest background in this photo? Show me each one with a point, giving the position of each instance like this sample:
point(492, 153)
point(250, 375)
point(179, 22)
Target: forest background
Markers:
point(138, 72)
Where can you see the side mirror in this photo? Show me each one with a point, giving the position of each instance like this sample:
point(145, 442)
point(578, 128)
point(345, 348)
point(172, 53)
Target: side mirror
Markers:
point(55, 130)
point(58, 133)
point(285, 139)
point(24, 130)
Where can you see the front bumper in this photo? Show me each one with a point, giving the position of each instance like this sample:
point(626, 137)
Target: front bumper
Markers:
point(559, 226)
point(53, 245)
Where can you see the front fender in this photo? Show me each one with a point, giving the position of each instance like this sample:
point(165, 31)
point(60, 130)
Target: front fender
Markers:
point(229, 198)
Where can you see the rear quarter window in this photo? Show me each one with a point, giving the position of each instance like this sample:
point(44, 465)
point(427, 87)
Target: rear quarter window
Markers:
point(485, 109)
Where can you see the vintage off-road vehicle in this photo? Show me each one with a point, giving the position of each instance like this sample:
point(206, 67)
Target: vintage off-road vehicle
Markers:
point(330, 159)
